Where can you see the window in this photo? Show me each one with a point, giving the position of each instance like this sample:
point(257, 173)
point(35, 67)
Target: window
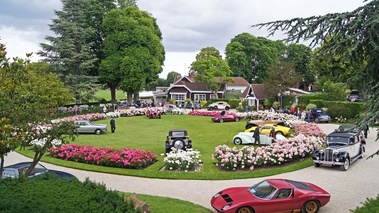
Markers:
point(213, 96)
point(178, 97)
point(200, 97)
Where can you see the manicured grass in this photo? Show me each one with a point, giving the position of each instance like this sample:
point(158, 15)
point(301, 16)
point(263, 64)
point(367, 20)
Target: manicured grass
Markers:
point(164, 204)
point(139, 132)
point(106, 94)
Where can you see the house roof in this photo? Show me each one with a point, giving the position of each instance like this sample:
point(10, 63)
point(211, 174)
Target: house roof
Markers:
point(256, 90)
point(238, 81)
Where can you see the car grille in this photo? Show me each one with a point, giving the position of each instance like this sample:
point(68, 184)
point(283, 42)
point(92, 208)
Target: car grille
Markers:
point(328, 155)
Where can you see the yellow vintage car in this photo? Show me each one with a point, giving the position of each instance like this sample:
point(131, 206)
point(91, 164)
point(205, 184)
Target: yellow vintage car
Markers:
point(265, 129)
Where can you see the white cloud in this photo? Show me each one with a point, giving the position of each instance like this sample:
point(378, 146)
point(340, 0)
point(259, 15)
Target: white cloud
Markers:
point(187, 25)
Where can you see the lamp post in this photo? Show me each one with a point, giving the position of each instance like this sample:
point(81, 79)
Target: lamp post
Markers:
point(280, 96)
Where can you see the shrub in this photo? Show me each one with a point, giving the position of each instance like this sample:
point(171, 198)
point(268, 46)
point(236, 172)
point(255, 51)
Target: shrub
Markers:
point(52, 194)
point(370, 205)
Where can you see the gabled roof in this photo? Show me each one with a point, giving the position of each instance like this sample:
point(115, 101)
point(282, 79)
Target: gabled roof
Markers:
point(256, 90)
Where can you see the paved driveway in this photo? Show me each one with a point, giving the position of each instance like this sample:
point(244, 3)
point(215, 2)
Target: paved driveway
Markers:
point(348, 189)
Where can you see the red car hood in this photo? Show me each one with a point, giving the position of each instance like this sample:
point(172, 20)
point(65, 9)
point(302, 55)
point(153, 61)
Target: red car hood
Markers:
point(233, 195)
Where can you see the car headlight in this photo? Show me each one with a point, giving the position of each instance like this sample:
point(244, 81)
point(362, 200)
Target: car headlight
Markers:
point(216, 195)
point(227, 206)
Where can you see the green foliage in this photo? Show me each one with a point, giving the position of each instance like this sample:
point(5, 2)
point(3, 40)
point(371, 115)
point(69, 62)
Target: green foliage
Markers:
point(287, 101)
point(280, 78)
point(309, 106)
point(232, 94)
point(36, 195)
point(69, 53)
point(369, 206)
point(306, 99)
point(333, 91)
point(211, 69)
point(133, 50)
point(234, 103)
point(251, 57)
point(300, 56)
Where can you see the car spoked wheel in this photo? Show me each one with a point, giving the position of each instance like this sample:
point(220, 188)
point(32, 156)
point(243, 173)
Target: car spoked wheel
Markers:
point(179, 144)
point(279, 133)
point(221, 120)
point(245, 209)
point(346, 164)
point(98, 132)
point(310, 207)
point(237, 141)
point(237, 119)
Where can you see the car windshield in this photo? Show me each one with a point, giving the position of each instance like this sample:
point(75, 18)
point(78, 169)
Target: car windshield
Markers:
point(338, 140)
point(263, 190)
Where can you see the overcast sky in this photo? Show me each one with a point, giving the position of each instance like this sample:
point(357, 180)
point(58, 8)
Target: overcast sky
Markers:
point(187, 25)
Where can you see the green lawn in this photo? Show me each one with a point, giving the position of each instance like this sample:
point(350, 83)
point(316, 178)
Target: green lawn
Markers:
point(139, 132)
point(106, 94)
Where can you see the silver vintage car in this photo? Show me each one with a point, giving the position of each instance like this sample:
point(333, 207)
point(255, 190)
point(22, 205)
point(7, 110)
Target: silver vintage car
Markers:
point(86, 126)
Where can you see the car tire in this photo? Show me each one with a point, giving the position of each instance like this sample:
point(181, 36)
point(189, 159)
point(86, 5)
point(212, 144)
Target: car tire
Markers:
point(346, 164)
point(237, 119)
point(215, 107)
point(178, 144)
point(245, 209)
point(98, 132)
point(317, 120)
point(311, 206)
point(316, 165)
point(221, 120)
point(237, 141)
point(227, 108)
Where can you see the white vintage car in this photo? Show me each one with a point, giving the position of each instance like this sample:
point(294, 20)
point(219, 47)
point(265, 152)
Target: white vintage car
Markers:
point(86, 126)
point(342, 149)
point(247, 138)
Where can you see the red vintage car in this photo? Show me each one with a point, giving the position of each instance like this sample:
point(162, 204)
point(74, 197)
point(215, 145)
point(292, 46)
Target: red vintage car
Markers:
point(225, 116)
point(271, 195)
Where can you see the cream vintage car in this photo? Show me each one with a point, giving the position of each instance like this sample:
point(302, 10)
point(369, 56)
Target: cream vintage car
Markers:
point(247, 138)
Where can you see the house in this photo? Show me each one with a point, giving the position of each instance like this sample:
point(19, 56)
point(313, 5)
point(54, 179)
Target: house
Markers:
point(186, 87)
point(255, 95)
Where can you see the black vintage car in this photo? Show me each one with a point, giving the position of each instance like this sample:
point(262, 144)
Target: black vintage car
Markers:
point(318, 115)
point(341, 149)
point(179, 139)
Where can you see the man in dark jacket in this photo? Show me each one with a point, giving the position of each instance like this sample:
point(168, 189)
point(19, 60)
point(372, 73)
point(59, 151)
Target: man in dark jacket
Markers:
point(256, 136)
point(113, 125)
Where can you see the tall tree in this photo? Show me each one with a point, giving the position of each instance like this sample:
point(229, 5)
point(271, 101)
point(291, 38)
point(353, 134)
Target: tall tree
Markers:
point(353, 36)
point(70, 52)
point(210, 68)
point(300, 56)
point(280, 78)
point(171, 77)
point(251, 57)
point(133, 49)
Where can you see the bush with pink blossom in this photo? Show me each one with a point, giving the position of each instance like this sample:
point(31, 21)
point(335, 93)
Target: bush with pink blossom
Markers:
point(125, 158)
point(277, 153)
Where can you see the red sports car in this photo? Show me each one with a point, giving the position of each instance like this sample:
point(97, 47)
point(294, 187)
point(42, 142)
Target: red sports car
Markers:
point(271, 195)
point(225, 116)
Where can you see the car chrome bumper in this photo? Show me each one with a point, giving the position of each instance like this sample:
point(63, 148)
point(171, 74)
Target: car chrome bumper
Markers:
point(331, 163)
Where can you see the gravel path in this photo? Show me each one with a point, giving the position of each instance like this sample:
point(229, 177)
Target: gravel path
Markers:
point(348, 189)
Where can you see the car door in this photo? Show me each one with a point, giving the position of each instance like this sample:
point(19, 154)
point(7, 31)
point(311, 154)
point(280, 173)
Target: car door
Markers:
point(84, 128)
point(282, 201)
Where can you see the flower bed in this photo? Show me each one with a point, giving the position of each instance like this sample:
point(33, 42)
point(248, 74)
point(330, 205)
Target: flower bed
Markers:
point(181, 160)
point(277, 153)
point(125, 158)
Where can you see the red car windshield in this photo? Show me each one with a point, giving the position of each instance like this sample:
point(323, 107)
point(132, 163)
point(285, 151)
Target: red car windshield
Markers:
point(263, 190)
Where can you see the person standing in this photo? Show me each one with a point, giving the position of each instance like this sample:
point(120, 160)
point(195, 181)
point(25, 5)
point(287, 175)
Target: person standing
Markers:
point(113, 125)
point(365, 130)
point(256, 136)
point(273, 133)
